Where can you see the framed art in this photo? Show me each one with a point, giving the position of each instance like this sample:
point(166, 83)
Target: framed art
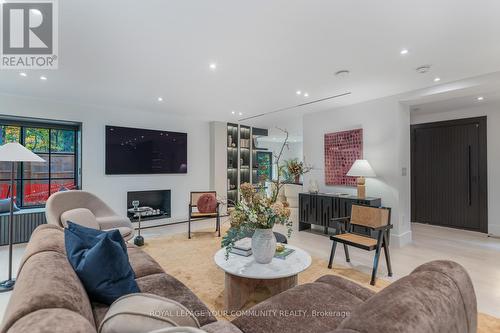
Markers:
point(342, 149)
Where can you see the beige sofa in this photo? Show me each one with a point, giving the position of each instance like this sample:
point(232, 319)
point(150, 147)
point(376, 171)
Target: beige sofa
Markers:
point(437, 297)
point(49, 297)
point(82, 207)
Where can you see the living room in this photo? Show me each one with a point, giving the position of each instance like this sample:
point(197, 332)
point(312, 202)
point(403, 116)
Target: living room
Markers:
point(220, 153)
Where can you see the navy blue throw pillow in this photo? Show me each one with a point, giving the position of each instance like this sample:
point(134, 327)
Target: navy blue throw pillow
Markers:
point(100, 260)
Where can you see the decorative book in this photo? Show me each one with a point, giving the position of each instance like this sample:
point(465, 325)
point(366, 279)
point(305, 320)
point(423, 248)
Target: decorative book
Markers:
point(244, 244)
point(241, 252)
point(283, 254)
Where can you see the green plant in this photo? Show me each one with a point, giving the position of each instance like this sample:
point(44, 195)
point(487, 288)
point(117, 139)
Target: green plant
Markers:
point(294, 168)
point(257, 210)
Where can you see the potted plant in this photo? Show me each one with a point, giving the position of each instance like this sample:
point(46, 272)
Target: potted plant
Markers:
point(295, 169)
point(255, 215)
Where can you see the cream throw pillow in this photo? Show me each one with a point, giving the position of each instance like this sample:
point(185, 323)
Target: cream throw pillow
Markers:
point(183, 329)
point(81, 216)
point(143, 313)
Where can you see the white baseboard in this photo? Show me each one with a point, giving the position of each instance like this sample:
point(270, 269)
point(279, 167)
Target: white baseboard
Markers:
point(401, 239)
point(494, 230)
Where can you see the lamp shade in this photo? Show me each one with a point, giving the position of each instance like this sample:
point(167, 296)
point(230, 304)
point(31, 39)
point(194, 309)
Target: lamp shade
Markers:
point(361, 168)
point(15, 152)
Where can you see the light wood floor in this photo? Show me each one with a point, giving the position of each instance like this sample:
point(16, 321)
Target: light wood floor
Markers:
point(476, 252)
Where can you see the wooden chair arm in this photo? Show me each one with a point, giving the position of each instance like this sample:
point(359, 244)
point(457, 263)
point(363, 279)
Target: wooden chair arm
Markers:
point(385, 227)
point(338, 219)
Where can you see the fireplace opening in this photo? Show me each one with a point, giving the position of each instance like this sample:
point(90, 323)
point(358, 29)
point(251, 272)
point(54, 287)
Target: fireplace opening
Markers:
point(155, 204)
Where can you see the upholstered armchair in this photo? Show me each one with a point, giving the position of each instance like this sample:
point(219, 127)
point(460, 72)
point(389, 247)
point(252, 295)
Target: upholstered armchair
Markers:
point(85, 209)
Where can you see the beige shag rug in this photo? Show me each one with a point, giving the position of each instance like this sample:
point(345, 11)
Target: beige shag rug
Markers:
point(191, 261)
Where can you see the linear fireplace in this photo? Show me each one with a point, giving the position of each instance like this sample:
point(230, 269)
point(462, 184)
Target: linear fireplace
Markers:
point(156, 202)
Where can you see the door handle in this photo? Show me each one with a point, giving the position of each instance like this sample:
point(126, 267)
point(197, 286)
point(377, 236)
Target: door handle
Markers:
point(469, 176)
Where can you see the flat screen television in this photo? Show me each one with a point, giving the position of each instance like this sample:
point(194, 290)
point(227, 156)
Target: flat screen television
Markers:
point(142, 151)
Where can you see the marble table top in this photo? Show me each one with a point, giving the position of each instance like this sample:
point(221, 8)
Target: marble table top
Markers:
point(247, 267)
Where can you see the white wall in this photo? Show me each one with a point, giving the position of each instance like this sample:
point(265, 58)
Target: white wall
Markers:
point(492, 112)
point(386, 146)
point(113, 189)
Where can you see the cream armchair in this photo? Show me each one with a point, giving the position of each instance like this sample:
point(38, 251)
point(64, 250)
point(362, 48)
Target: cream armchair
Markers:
point(86, 209)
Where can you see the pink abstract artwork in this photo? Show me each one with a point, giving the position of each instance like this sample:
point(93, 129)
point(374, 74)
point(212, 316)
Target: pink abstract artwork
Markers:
point(341, 150)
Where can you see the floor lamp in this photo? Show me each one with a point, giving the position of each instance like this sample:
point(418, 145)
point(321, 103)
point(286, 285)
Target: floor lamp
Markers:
point(14, 152)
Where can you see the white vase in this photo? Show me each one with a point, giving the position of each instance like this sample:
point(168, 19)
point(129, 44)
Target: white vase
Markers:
point(263, 245)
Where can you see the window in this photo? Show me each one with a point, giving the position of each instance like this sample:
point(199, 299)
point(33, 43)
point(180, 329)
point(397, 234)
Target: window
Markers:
point(35, 182)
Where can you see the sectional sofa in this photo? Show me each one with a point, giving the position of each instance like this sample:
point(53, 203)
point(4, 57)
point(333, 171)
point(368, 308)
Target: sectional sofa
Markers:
point(437, 297)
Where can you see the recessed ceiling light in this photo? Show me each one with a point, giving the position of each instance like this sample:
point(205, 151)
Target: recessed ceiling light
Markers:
point(423, 69)
point(480, 98)
point(298, 92)
point(403, 51)
point(437, 79)
point(213, 66)
point(160, 99)
point(240, 113)
point(342, 73)
point(306, 94)
point(35, 12)
point(232, 112)
point(23, 74)
point(43, 78)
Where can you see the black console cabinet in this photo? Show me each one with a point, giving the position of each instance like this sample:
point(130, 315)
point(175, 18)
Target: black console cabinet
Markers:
point(319, 208)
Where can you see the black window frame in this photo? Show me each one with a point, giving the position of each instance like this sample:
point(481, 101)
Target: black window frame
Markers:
point(20, 180)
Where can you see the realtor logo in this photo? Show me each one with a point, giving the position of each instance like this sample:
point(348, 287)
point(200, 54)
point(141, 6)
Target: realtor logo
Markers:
point(29, 34)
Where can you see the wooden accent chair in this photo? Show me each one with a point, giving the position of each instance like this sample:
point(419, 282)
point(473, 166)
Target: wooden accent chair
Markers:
point(203, 205)
point(371, 219)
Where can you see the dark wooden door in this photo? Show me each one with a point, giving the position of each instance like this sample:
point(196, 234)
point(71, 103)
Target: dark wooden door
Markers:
point(449, 174)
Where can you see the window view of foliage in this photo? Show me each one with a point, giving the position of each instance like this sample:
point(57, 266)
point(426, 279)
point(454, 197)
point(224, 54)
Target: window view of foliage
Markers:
point(63, 141)
point(9, 134)
point(38, 180)
point(37, 139)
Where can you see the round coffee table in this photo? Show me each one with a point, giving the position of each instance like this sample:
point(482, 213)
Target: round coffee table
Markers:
point(246, 280)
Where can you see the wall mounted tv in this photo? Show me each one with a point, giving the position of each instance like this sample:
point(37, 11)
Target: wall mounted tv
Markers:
point(141, 151)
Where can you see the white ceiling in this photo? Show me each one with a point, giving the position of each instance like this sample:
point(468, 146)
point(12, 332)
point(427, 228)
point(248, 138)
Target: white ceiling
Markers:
point(468, 101)
point(127, 53)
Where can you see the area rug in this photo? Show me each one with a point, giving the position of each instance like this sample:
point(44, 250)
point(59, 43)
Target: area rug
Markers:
point(191, 261)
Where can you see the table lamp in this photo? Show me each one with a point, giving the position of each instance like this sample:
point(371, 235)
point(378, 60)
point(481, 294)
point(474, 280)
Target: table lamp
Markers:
point(14, 152)
point(361, 169)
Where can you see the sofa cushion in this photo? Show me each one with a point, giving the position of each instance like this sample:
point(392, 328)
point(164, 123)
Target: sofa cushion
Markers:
point(113, 221)
point(429, 300)
point(46, 281)
point(142, 263)
point(143, 313)
point(221, 326)
point(46, 237)
point(180, 329)
point(323, 306)
point(167, 286)
point(5, 206)
point(101, 262)
point(81, 216)
point(55, 320)
point(124, 231)
point(353, 288)
point(461, 278)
